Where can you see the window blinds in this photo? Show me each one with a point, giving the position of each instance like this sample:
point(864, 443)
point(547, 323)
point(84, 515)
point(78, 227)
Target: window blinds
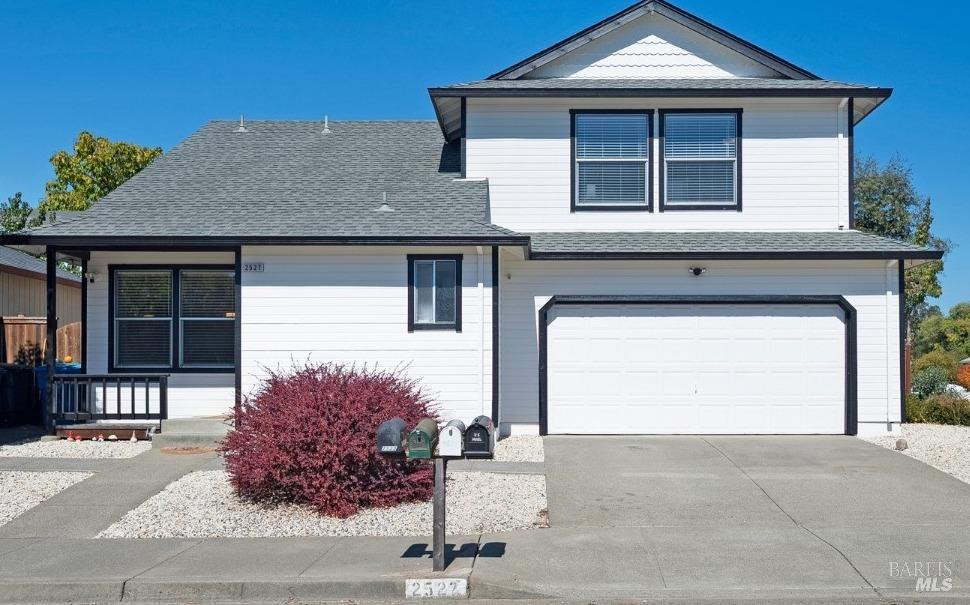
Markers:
point(611, 159)
point(700, 156)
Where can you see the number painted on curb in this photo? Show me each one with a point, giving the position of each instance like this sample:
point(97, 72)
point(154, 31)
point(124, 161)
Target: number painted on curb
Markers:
point(434, 589)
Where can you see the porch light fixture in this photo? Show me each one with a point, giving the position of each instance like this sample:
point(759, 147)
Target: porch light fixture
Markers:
point(90, 276)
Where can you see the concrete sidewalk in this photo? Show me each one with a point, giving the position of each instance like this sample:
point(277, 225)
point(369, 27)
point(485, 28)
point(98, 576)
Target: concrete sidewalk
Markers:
point(563, 564)
point(87, 507)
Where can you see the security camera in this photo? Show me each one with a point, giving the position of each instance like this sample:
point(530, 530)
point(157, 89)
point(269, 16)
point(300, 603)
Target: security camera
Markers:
point(697, 270)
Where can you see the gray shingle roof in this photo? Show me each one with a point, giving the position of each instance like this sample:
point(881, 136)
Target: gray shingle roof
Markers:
point(26, 262)
point(290, 180)
point(726, 244)
point(687, 84)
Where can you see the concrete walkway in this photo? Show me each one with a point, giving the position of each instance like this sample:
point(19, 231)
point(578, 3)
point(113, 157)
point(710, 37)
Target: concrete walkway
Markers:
point(87, 507)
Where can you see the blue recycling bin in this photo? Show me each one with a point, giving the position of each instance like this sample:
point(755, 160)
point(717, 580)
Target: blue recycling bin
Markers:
point(40, 374)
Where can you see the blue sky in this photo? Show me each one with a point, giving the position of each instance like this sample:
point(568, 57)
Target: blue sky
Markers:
point(152, 72)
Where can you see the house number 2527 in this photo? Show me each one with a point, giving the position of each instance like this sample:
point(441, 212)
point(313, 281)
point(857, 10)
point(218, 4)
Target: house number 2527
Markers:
point(253, 267)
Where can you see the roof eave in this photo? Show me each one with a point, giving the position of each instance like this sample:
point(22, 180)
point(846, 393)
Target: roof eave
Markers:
point(877, 93)
point(920, 255)
point(230, 242)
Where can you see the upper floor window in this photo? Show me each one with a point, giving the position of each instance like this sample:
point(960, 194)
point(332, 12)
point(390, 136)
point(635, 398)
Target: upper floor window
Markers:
point(701, 167)
point(434, 292)
point(173, 318)
point(611, 160)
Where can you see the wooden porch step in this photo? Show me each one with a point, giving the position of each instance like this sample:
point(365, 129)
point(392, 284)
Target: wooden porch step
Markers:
point(121, 430)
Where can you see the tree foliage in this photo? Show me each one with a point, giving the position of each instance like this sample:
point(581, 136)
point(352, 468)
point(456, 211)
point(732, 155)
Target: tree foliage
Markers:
point(888, 204)
point(14, 214)
point(949, 333)
point(96, 168)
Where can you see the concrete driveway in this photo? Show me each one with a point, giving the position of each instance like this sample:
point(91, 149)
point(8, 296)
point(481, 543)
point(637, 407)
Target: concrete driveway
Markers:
point(745, 517)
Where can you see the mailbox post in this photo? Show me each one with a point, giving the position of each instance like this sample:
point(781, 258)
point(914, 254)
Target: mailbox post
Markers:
point(424, 442)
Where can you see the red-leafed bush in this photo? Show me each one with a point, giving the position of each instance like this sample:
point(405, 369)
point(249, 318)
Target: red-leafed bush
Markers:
point(307, 436)
point(963, 376)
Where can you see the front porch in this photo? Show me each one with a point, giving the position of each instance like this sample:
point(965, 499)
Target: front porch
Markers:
point(137, 343)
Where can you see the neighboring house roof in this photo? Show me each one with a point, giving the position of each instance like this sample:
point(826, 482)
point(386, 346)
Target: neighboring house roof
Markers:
point(678, 15)
point(722, 244)
point(289, 182)
point(28, 265)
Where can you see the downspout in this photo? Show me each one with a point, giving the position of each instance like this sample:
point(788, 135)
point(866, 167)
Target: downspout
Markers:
point(843, 137)
point(889, 322)
point(481, 328)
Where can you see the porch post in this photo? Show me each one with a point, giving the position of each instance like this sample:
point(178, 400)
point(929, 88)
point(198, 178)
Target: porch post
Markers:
point(84, 314)
point(51, 335)
point(237, 340)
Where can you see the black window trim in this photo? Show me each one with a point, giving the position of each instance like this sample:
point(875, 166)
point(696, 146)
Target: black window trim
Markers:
point(661, 171)
point(456, 325)
point(175, 366)
point(573, 188)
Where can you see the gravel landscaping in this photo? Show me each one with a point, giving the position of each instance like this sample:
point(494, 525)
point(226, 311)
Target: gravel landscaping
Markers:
point(202, 504)
point(520, 448)
point(23, 490)
point(74, 449)
point(941, 446)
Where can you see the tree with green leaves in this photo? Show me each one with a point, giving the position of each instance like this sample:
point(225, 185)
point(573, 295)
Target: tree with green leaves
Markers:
point(14, 214)
point(888, 204)
point(95, 169)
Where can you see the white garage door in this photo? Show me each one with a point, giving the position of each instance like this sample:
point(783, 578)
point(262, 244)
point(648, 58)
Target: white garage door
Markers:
point(716, 369)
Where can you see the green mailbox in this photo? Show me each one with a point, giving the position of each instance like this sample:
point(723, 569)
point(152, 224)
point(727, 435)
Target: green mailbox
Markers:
point(422, 440)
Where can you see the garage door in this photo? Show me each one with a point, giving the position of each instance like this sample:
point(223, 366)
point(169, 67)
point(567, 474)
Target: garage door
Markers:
point(715, 369)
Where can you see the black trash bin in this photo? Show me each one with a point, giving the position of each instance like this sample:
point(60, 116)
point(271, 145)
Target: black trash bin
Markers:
point(18, 399)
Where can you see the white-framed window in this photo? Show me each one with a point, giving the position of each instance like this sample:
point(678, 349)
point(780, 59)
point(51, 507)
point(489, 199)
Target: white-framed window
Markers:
point(173, 318)
point(701, 159)
point(611, 160)
point(434, 292)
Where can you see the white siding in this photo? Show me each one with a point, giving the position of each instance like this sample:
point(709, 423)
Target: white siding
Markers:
point(869, 286)
point(349, 305)
point(794, 166)
point(652, 46)
point(189, 394)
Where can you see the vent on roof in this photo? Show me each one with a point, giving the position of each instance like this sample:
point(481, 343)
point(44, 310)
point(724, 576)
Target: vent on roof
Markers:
point(326, 124)
point(384, 207)
point(242, 125)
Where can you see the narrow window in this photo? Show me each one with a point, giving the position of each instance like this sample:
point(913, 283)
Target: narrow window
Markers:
point(700, 160)
point(143, 319)
point(435, 293)
point(611, 157)
point(206, 319)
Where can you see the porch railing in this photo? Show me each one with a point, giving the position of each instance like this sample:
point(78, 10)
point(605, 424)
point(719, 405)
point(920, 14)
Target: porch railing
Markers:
point(94, 397)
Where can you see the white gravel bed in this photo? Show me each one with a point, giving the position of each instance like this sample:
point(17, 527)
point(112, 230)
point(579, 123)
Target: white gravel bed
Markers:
point(23, 490)
point(202, 504)
point(74, 449)
point(941, 446)
point(520, 448)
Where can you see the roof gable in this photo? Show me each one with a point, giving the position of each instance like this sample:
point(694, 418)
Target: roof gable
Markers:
point(653, 38)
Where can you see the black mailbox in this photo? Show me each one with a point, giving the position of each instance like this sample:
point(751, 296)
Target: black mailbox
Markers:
point(479, 438)
point(391, 436)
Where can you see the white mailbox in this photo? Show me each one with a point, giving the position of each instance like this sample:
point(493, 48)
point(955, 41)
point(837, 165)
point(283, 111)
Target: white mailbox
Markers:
point(451, 439)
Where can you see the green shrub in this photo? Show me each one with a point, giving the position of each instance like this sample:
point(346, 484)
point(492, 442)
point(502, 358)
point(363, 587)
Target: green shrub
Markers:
point(940, 359)
point(931, 380)
point(943, 408)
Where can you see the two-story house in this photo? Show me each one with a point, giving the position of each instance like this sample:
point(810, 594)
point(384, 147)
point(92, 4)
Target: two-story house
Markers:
point(644, 228)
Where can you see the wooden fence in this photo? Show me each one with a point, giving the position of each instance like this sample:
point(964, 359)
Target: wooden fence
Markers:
point(24, 340)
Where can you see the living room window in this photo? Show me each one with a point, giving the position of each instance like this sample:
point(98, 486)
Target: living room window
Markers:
point(611, 160)
point(173, 318)
point(701, 155)
point(434, 301)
